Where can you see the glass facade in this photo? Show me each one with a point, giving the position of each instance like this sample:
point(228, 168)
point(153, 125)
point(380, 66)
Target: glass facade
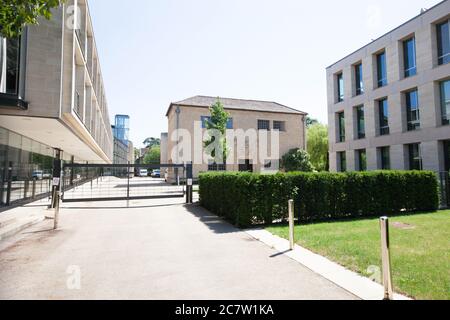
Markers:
point(25, 167)
point(381, 69)
point(415, 157)
point(359, 83)
point(445, 101)
point(361, 126)
point(362, 160)
point(122, 128)
point(409, 57)
point(412, 110)
point(383, 113)
point(443, 40)
point(340, 87)
point(385, 158)
point(9, 66)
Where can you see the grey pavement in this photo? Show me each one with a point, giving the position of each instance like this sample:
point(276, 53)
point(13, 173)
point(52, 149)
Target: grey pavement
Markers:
point(155, 249)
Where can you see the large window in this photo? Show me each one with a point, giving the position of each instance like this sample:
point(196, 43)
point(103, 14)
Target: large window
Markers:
point(362, 160)
point(409, 57)
point(381, 69)
point(9, 66)
point(279, 126)
point(415, 157)
point(443, 39)
point(385, 158)
point(212, 166)
point(263, 124)
point(340, 87)
point(360, 122)
point(445, 101)
point(341, 126)
point(359, 83)
point(383, 113)
point(342, 161)
point(412, 110)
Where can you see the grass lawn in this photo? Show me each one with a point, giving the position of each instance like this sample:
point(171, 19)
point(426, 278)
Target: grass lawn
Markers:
point(420, 249)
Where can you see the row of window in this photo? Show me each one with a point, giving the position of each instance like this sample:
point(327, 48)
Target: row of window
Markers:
point(411, 101)
point(409, 62)
point(262, 124)
point(414, 158)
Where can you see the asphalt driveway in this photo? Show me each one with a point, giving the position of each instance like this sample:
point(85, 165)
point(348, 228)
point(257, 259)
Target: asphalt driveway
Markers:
point(155, 249)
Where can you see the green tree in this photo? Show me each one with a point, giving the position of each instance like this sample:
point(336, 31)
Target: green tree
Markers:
point(296, 160)
point(217, 127)
point(15, 14)
point(153, 156)
point(318, 146)
point(151, 142)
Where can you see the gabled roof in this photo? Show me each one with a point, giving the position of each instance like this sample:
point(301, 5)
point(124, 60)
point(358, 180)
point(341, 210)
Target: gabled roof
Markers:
point(236, 104)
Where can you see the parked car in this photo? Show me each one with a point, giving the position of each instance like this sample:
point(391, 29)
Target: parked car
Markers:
point(143, 172)
point(38, 175)
point(156, 174)
point(47, 175)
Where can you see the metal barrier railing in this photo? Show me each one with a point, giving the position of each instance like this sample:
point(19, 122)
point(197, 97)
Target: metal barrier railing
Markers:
point(444, 186)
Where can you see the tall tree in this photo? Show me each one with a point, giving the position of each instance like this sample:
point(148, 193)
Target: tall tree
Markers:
point(217, 127)
point(153, 156)
point(318, 146)
point(15, 14)
point(152, 142)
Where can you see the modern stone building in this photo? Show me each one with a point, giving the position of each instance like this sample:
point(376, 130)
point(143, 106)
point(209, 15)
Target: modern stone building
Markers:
point(245, 115)
point(52, 97)
point(389, 102)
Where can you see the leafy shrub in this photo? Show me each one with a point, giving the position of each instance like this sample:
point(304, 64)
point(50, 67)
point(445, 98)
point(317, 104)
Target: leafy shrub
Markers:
point(247, 199)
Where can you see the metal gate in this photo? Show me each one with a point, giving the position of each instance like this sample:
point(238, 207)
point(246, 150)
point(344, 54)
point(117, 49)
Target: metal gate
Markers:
point(111, 182)
point(444, 182)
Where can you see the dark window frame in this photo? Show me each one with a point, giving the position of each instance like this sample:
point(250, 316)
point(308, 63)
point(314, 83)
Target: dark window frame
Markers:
point(342, 161)
point(385, 156)
point(360, 122)
point(341, 126)
point(359, 79)
point(279, 126)
point(445, 107)
point(263, 124)
point(340, 87)
point(412, 111)
point(362, 160)
point(381, 69)
point(383, 116)
point(410, 67)
point(415, 158)
point(443, 57)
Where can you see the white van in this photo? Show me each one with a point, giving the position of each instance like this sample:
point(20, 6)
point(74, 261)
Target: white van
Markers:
point(143, 172)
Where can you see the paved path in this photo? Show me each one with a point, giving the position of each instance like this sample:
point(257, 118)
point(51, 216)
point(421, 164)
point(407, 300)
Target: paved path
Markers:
point(158, 249)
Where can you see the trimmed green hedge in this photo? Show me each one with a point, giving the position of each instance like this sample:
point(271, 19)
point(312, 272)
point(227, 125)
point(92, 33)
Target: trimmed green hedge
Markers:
point(246, 199)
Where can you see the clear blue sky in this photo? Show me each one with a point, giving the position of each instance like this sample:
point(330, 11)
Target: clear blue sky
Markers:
point(154, 52)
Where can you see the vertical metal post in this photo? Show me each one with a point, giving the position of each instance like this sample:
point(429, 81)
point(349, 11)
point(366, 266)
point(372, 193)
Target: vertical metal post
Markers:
point(56, 219)
point(57, 176)
point(9, 184)
point(33, 189)
point(291, 225)
point(189, 183)
point(128, 181)
point(386, 259)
